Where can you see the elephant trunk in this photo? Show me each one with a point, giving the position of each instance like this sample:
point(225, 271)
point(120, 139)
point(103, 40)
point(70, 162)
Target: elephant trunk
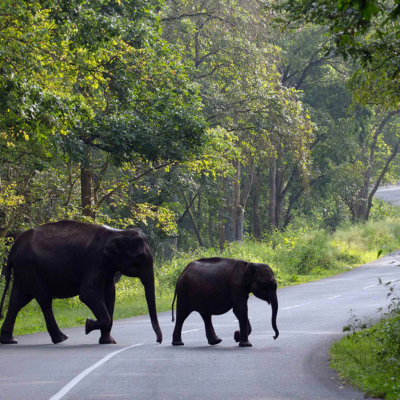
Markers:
point(274, 306)
point(148, 283)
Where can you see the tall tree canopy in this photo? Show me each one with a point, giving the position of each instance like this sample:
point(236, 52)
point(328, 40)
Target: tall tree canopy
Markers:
point(199, 121)
point(83, 76)
point(367, 32)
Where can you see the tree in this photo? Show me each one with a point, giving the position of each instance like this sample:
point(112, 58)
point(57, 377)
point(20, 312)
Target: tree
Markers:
point(241, 89)
point(97, 86)
point(364, 31)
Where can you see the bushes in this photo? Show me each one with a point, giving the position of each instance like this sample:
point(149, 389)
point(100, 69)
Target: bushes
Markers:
point(299, 255)
point(5, 246)
point(369, 357)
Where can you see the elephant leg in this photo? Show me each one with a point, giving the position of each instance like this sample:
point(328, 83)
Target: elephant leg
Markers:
point(18, 300)
point(241, 315)
point(237, 333)
point(106, 337)
point(96, 303)
point(210, 333)
point(46, 304)
point(181, 314)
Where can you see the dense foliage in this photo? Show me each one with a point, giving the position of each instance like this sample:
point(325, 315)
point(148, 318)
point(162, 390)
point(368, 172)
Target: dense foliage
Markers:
point(201, 122)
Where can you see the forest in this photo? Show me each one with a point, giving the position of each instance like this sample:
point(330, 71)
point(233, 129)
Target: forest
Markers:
point(202, 122)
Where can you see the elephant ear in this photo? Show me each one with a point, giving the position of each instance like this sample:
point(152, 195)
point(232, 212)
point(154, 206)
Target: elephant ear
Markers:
point(118, 246)
point(135, 246)
point(250, 274)
point(115, 248)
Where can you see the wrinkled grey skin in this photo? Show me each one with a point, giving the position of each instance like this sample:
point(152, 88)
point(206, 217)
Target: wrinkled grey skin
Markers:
point(213, 286)
point(69, 258)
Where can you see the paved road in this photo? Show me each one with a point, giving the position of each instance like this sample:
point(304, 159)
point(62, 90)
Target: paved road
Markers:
point(295, 366)
point(391, 194)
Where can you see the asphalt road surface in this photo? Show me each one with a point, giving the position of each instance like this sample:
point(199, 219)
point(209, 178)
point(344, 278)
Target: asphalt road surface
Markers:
point(295, 366)
point(391, 194)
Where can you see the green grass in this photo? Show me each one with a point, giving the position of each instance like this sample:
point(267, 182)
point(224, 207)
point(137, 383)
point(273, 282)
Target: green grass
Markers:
point(296, 256)
point(370, 359)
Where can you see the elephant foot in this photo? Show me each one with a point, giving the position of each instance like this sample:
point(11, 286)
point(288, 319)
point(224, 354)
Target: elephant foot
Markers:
point(177, 343)
point(245, 344)
point(60, 338)
point(8, 340)
point(107, 340)
point(215, 340)
point(236, 336)
point(90, 325)
point(159, 335)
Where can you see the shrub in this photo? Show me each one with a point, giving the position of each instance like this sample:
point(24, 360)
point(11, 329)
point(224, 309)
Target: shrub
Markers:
point(369, 357)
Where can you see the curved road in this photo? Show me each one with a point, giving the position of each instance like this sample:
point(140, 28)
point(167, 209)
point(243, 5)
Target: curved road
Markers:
point(390, 193)
point(295, 366)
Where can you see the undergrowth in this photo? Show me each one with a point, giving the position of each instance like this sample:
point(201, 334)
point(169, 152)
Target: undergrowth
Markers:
point(369, 356)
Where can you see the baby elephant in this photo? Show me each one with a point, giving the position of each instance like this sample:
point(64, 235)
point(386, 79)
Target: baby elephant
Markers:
point(213, 286)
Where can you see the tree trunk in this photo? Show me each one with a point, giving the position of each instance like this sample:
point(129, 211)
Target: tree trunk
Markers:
point(211, 229)
point(272, 196)
point(192, 220)
point(240, 224)
point(279, 194)
point(235, 202)
point(362, 211)
point(171, 244)
point(256, 205)
point(248, 183)
point(238, 201)
point(221, 229)
point(379, 180)
point(86, 191)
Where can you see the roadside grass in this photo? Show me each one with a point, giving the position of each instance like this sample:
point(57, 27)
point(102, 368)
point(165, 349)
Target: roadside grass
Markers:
point(369, 357)
point(296, 256)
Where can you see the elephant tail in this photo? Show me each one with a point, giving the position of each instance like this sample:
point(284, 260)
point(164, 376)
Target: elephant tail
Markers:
point(176, 286)
point(173, 317)
point(7, 274)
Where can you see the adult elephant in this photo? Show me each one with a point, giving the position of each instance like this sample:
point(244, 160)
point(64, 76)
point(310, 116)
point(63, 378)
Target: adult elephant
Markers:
point(69, 258)
point(213, 286)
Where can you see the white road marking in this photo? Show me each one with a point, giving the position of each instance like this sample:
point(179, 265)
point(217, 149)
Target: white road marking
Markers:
point(286, 308)
point(334, 297)
point(87, 371)
point(369, 287)
point(192, 330)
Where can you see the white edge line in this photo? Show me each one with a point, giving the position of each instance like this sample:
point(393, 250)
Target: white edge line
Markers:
point(87, 371)
point(334, 297)
point(291, 307)
point(369, 287)
point(192, 330)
